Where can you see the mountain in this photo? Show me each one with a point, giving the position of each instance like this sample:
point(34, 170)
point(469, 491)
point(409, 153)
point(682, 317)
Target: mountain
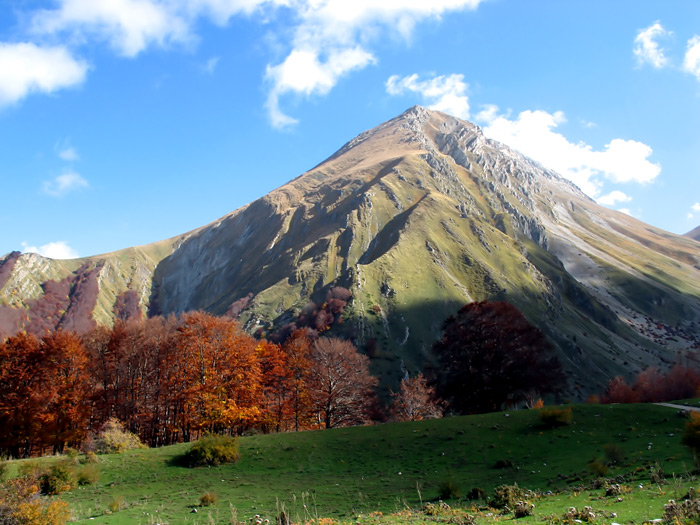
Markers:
point(416, 217)
point(694, 234)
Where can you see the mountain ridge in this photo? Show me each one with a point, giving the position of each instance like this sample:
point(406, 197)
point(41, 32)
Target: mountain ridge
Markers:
point(416, 217)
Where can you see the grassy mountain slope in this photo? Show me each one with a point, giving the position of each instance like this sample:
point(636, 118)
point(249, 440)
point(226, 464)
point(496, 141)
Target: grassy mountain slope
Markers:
point(417, 217)
point(347, 472)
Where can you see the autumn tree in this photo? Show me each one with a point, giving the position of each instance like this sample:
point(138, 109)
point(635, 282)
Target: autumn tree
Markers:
point(489, 355)
point(22, 397)
point(297, 351)
point(341, 387)
point(67, 383)
point(216, 375)
point(415, 401)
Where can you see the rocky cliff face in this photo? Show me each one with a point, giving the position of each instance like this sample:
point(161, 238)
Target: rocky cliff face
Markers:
point(416, 217)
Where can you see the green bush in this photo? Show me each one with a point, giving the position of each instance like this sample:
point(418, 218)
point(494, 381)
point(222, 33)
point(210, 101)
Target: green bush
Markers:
point(211, 450)
point(449, 489)
point(4, 467)
point(598, 468)
point(114, 438)
point(506, 496)
point(57, 479)
point(691, 435)
point(88, 475)
point(117, 503)
point(555, 417)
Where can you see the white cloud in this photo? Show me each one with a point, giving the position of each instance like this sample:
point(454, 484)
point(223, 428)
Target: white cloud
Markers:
point(332, 38)
point(52, 250)
point(65, 183)
point(613, 198)
point(68, 154)
point(328, 40)
point(532, 133)
point(646, 47)
point(443, 93)
point(129, 26)
point(27, 68)
point(695, 208)
point(691, 62)
point(626, 211)
point(210, 66)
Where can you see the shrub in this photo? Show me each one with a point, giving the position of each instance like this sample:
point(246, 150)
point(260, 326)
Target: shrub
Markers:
point(88, 475)
point(556, 417)
point(3, 469)
point(613, 454)
point(691, 434)
point(598, 468)
point(90, 457)
point(523, 508)
point(686, 511)
point(117, 503)
point(211, 450)
point(208, 498)
point(449, 489)
point(114, 438)
point(503, 463)
point(476, 493)
point(56, 480)
point(506, 496)
point(20, 503)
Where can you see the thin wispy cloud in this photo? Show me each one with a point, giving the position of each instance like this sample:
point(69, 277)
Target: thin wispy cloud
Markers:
point(64, 184)
point(52, 250)
point(27, 68)
point(68, 154)
point(647, 48)
point(443, 93)
point(210, 65)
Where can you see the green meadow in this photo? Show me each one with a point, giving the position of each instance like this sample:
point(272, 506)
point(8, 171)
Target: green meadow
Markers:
point(387, 473)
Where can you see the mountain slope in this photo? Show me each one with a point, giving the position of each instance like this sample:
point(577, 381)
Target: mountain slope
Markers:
point(417, 217)
point(694, 234)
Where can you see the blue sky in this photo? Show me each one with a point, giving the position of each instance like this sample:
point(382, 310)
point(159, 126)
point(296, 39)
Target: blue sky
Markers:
point(124, 122)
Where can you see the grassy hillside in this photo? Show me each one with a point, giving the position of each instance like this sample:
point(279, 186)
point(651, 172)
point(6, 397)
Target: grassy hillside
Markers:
point(389, 468)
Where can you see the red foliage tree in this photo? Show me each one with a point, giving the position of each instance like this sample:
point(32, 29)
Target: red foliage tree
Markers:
point(415, 401)
point(489, 356)
point(341, 387)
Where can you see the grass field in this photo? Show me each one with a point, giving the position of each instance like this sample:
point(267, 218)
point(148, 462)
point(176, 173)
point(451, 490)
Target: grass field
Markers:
point(352, 474)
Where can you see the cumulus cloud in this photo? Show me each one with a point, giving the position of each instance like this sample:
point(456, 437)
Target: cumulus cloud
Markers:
point(27, 68)
point(691, 62)
point(328, 38)
point(695, 208)
point(64, 183)
point(52, 250)
point(332, 38)
point(443, 93)
point(613, 198)
point(646, 47)
point(305, 72)
point(533, 133)
point(129, 26)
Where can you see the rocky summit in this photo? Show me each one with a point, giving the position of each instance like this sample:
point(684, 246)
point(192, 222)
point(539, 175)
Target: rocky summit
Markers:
point(415, 217)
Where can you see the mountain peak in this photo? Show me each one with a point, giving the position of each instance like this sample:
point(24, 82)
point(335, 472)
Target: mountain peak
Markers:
point(415, 217)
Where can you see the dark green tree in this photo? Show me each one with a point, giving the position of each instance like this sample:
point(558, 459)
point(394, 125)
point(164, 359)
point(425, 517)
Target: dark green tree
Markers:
point(490, 356)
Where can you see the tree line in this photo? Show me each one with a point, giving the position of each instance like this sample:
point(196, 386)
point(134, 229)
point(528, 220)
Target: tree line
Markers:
point(172, 379)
